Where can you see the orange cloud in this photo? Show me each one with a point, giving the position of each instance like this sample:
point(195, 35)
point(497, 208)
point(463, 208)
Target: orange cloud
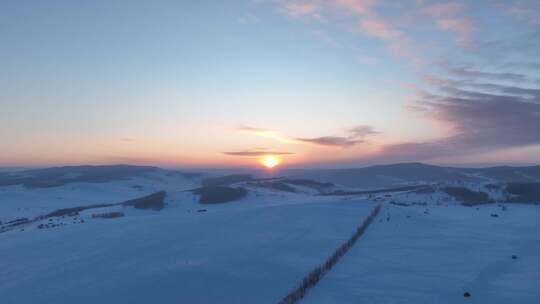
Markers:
point(256, 153)
point(265, 133)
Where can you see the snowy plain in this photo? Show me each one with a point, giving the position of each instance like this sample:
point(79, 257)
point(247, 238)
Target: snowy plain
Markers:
point(436, 257)
point(429, 249)
point(250, 251)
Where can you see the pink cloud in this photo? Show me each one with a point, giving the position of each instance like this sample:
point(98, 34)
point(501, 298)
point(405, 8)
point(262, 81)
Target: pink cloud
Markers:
point(300, 8)
point(369, 22)
point(450, 17)
point(461, 26)
point(303, 8)
point(445, 9)
point(360, 7)
point(377, 27)
point(437, 81)
point(398, 43)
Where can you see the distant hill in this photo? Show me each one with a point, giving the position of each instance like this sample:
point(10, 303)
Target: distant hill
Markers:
point(58, 176)
point(394, 175)
point(509, 174)
point(410, 173)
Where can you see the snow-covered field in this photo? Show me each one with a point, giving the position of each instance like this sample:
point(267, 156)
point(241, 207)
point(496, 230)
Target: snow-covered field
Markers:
point(250, 251)
point(429, 249)
point(437, 257)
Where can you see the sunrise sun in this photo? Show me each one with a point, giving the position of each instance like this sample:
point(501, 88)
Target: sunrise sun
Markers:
point(270, 161)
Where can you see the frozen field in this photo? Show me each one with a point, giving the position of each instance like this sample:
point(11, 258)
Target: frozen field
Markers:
point(424, 247)
point(437, 257)
point(243, 252)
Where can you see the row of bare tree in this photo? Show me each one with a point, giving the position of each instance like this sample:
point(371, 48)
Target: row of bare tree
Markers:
point(316, 274)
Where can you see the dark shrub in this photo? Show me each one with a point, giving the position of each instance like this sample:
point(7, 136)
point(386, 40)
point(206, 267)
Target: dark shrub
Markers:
point(154, 201)
point(276, 186)
point(493, 186)
point(524, 192)
point(308, 183)
point(226, 180)
point(468, 197)
point(387, 190)
point(219, 194)
point(19, 220)
point(425, 190)
point(73, 211)
point(108, 215)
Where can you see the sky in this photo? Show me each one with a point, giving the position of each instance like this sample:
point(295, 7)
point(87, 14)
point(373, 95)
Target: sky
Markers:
point(335, 83)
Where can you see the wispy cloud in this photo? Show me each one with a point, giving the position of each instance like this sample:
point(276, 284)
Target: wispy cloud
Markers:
point(303, 8)
point(377, 27)
point(332, 141)
point(350, 137)
point(256, 153)
point(528, 11)
point(475, 74)
point(372, 19)
point(265, 133)
point(353, 136)
point(316, 8)
point(523, 65)
point(484, 116)
point(362, 131)
point(486, 106)
point(369, 22)
point(450, 16)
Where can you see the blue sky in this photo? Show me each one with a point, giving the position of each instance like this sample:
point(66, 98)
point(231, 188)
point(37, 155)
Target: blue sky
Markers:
point(324, 83)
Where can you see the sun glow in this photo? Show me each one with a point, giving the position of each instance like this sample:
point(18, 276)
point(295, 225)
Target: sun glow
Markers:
point(270, 161)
